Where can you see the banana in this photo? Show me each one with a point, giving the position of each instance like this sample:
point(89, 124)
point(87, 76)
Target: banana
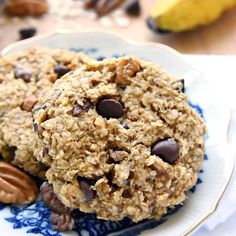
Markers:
point(181, 15)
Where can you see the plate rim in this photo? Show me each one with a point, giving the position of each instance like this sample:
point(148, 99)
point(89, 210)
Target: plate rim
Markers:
point(10, 47)
point(6, 49)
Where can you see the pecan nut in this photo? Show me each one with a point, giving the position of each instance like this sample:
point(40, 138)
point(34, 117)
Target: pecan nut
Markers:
point(62, 222)
point(61, 218)
point(51, 199)
point(16, 186)
point(26, 7)
point(125, 69)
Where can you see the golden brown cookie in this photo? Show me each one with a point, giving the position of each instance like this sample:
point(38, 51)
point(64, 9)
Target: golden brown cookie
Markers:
point(26, 76)
point(120, 140)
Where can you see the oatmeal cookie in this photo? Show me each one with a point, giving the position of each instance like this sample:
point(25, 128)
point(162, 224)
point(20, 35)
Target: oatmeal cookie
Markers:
point(24, 77)
point(120, 139)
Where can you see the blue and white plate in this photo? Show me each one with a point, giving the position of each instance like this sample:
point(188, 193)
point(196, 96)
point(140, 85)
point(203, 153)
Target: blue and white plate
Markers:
point(216, 169)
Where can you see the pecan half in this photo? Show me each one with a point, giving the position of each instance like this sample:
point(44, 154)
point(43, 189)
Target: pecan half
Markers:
point(26, 7)
point(125, 69)
point(51, 199)
point(61, 218)
point(16, 186)
point(62, 222)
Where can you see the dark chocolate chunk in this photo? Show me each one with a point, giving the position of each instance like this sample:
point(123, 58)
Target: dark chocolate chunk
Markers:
point(87, 105)
point(167, 150)
point(126, 193)
point(85, 187)
point(77, 110)
point(133, 7)
point(21, 72)
point(110, 108)
point(26, 33)
point(110, 176)
point(61, 70)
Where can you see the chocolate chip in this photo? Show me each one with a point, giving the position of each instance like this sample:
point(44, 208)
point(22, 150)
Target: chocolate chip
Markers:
point(110, 108)
point(126, 193)
point(110, 176)
point(26, 33)
point(133, 7)
point(61, 70)
point(183, 88)
point(21, 72)
point(87, 105)
point(77, 110)
point(167, 150)
point(85, 187)
point(124, 124)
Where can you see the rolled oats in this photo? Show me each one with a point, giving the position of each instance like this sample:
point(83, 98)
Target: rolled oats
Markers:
point(136, 160)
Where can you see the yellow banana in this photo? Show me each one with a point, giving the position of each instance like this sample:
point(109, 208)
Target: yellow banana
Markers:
point(180, 15)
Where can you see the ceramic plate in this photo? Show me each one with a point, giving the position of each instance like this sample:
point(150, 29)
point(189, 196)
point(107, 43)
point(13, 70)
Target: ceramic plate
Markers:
point(213, 177)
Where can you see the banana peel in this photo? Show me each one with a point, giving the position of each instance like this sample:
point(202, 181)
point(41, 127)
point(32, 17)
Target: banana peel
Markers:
point(181, 15)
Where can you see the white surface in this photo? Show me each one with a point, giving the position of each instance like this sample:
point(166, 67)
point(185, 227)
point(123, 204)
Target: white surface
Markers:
point(217, 168)
point(220, 73)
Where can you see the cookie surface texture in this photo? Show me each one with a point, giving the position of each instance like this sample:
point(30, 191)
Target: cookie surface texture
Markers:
point(24, 78)
point(120, 140)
